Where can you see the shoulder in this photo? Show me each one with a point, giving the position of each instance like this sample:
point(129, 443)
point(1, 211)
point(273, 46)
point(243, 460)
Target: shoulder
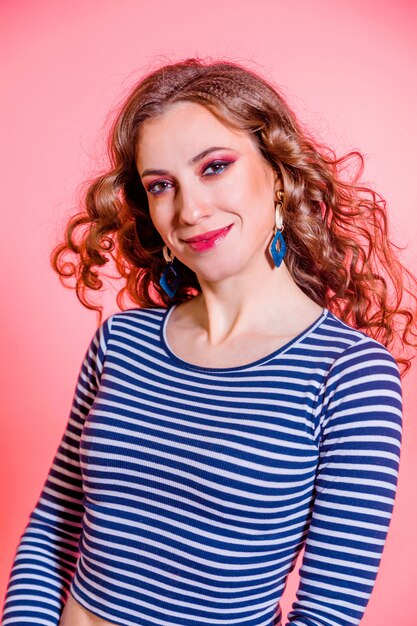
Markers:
point(132, 317)
point(131, 325)
point(121, 333)
point(362, 386)
point(361, 369)
point(355, 346)
point(358, 342)
point(338, 351)
point(363, 381)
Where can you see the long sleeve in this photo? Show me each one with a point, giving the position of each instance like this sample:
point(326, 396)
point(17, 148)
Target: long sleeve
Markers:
point(47, 553)
point(359, 432)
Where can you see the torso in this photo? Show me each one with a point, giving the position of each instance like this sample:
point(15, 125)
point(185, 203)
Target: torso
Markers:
point(184, 339)
point(76, 615)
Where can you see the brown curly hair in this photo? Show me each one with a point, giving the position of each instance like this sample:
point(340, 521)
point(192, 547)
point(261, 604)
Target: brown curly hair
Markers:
point(336, 229)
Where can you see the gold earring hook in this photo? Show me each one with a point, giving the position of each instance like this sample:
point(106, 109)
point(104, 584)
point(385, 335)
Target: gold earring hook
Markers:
point(280, 196)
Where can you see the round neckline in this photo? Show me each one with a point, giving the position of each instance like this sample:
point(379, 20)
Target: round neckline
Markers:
point(264, 359)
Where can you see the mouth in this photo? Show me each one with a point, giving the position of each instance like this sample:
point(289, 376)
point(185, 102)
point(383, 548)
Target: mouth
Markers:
point(208, 235)
point(208, 240)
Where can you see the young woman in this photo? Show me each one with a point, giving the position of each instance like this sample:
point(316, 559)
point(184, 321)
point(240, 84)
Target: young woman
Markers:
point(248, 404)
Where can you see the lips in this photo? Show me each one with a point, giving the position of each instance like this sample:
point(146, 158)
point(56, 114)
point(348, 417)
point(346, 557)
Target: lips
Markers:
point(208, 235)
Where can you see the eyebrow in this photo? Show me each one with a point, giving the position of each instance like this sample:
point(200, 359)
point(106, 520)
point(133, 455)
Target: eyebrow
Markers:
point(192, 161)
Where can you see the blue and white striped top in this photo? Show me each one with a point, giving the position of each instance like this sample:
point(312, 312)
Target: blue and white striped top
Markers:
point(181, 495)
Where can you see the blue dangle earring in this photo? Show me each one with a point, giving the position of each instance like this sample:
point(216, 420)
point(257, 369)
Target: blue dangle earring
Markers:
point(278, 247)
point(170, 279)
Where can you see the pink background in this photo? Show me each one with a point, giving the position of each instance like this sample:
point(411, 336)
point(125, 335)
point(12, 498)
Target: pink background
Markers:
point(348, 68)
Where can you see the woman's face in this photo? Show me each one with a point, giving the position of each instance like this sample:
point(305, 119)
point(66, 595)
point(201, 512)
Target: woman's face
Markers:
point(201, 177)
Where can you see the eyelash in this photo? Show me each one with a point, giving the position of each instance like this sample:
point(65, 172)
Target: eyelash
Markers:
point(219, 163)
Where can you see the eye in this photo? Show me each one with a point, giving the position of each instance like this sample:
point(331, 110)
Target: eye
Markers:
point(153, 187)
point(219, 167)
point(160, 186)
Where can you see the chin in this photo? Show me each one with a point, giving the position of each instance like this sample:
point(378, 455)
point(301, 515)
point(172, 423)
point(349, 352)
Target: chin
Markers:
point(213, 275)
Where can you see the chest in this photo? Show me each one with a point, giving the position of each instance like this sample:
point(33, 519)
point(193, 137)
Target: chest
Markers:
point(210, 443)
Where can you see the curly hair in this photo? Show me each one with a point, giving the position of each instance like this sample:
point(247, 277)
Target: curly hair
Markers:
point(336, 229)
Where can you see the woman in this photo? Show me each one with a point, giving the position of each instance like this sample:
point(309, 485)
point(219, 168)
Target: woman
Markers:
point(231, 417)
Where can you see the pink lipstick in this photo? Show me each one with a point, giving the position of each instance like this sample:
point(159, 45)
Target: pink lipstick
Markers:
point(208, 240)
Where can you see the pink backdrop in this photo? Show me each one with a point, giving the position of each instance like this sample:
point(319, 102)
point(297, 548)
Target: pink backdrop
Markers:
point(348, 68)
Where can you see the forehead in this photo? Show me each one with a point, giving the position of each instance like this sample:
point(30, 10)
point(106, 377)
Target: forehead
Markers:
point(190, 127)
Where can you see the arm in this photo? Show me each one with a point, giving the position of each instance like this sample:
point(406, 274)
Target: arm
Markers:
point(359, 432)
point(47, 553)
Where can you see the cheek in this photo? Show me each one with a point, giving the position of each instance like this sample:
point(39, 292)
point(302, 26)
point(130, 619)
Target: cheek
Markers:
point(157, 216)
point(162, 224)
point(253, 188)
point(157, 222)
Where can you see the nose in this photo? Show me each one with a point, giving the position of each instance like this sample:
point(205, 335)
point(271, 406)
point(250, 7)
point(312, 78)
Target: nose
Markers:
point(191, 205)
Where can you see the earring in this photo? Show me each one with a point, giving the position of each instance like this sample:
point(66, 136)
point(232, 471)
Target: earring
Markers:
point(278, 254)
point(170, 279)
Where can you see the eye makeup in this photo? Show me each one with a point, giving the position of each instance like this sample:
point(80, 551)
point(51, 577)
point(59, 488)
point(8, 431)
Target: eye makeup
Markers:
point(217, 163)
point(151, 188)
point(222, 164)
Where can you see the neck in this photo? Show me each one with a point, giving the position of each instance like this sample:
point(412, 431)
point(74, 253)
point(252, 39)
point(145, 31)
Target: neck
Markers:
point(251, 301)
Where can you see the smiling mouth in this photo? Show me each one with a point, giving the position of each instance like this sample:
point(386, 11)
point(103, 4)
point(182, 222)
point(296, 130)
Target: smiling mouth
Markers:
point(208, 240)
point(208, 235)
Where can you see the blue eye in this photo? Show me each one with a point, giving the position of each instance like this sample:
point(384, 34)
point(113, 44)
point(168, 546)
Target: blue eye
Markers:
point(222, 165)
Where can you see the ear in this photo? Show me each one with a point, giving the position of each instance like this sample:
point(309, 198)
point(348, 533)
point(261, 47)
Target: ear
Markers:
point(278, 186)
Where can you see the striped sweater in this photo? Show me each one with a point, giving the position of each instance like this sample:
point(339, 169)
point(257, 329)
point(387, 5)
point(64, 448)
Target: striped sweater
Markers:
point(181, 495)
